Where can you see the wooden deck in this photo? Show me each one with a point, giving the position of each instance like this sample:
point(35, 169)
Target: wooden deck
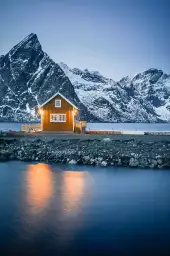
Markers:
point(79, 127)
point(30, 127)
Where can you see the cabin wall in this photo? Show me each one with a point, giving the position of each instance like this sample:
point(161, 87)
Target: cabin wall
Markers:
point(50, 108)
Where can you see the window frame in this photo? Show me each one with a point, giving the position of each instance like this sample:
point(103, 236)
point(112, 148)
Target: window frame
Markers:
point(59, 104)
point(57, 118)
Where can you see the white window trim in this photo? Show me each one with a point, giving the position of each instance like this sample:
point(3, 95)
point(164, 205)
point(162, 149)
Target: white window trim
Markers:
point(57, 121)
point(58, 101)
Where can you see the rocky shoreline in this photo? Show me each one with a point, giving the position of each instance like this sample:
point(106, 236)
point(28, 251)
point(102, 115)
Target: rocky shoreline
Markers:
point(104, 152)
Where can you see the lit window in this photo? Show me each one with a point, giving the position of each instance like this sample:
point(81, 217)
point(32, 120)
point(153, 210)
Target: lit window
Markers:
point(62, 118)
point(57, 118)
point(58, 103)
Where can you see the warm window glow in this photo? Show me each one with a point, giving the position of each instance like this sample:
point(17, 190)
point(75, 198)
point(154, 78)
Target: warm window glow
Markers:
point(39, 186)
point(75, 112)
point(40, 111)
point(57, 118)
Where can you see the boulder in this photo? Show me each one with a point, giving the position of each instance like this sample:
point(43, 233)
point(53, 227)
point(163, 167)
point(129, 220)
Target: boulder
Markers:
point(133, 162)
point(73, 162)
point(103, 163)
point(106, 140)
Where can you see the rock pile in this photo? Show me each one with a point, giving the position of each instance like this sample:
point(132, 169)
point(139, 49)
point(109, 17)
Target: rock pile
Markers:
point(143, 154)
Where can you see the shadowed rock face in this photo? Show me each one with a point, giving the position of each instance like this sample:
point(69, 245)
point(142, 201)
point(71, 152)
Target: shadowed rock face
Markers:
point(28, 77)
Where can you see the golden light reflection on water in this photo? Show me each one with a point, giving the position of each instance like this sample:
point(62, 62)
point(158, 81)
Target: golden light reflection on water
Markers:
point(56, 198)
point(73, 194)
point(39, 186)
point(73, 190)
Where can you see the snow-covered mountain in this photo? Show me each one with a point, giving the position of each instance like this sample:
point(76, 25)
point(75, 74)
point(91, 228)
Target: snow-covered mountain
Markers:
point(143, 98)
point(28, 77)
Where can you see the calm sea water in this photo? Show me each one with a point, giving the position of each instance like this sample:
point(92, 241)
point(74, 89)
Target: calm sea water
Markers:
point(80, 210)
point(105, 126)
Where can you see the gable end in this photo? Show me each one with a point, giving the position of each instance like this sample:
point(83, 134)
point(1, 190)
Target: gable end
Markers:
point(58, 93)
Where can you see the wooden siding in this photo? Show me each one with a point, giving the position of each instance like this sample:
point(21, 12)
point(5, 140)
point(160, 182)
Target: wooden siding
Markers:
point(50, 108)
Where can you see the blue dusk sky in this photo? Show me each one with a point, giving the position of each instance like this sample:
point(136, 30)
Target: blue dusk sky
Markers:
point(115, 37)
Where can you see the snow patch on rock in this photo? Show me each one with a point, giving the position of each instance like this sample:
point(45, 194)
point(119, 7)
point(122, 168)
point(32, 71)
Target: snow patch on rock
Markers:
point(72, 161)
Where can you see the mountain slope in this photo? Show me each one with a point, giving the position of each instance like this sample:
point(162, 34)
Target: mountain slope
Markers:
point(28, 77)
point(144, 98)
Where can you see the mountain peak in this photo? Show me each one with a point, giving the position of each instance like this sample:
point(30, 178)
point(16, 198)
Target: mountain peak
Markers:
point(152, 71)
point(29, 42)
point(30, 37)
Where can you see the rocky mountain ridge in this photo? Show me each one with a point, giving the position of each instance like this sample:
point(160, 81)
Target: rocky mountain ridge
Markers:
point(28, 77)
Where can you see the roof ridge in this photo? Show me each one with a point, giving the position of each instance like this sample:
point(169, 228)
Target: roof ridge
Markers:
point(58, 93)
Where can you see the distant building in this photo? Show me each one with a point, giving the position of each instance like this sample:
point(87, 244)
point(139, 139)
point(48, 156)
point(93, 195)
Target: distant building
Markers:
point(58, 114)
